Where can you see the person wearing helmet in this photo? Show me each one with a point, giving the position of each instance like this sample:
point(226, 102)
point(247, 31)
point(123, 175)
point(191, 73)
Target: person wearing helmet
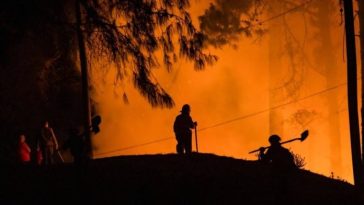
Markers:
point(182, 129)
point(280, 157)
point(281, 166)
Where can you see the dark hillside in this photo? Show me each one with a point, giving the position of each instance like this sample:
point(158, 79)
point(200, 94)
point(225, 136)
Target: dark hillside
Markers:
point(169, 179)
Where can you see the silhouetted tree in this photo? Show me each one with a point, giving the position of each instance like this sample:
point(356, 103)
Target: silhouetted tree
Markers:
point(224, 22)
point(40, 54)
point(352, 93)
point(361, 24)
point(131, 33)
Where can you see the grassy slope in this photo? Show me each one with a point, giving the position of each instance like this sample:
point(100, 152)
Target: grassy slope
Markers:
point(170, 179)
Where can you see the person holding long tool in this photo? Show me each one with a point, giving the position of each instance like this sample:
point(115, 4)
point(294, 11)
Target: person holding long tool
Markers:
point(182, 129)
point(280, 157)
point(282, 165)
point(49, 145)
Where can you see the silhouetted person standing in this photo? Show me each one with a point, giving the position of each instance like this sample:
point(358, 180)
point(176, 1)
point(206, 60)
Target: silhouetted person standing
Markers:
point(49, 144)
point(23, 150)
point(182, 128)
point(76, 144)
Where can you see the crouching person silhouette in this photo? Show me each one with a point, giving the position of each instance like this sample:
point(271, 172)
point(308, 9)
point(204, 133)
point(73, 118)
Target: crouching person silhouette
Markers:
point(282, 166)
point(182, 129)
point(280, 157)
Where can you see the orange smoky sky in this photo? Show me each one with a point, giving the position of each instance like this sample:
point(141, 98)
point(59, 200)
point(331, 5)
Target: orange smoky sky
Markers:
point(274, 84)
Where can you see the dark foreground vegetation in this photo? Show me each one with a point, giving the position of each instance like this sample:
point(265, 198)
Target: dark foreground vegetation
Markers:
point(168, 179)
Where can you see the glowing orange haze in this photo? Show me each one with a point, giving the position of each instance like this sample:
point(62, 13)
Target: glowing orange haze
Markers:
point(237, 85)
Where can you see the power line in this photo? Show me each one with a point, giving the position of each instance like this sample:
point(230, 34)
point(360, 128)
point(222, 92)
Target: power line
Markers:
point(278, 15)
point(135, 146)
point(272, 108)
point(286, 12)
point(228, 121)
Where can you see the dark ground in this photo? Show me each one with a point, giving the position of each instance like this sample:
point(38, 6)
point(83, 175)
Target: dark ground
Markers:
point(169, 179)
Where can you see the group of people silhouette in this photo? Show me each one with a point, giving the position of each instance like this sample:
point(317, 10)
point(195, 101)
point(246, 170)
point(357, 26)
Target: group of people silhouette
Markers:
point(47, 150)
point(280, 157)
point(47, 147)
point(279, 160)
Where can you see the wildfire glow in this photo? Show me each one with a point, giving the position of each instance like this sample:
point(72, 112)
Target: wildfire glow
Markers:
point(232, 101)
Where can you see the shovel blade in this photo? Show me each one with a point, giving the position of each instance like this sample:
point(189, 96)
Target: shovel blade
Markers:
point(304, 135)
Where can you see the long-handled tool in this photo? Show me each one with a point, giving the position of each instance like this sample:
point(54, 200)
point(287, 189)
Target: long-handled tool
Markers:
point(59, 155)
point(196, 138)
point(304, 135)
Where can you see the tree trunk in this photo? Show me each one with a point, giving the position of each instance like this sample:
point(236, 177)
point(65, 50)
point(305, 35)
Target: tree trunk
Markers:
point(361, 24)
point(85, 84)
point(352, 92)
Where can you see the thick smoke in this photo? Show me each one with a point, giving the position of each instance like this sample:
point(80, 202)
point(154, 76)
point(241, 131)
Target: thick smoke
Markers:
point(231, 101)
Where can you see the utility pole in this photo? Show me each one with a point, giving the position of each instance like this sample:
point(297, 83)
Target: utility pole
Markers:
point(352, 93)
point(85, 84)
